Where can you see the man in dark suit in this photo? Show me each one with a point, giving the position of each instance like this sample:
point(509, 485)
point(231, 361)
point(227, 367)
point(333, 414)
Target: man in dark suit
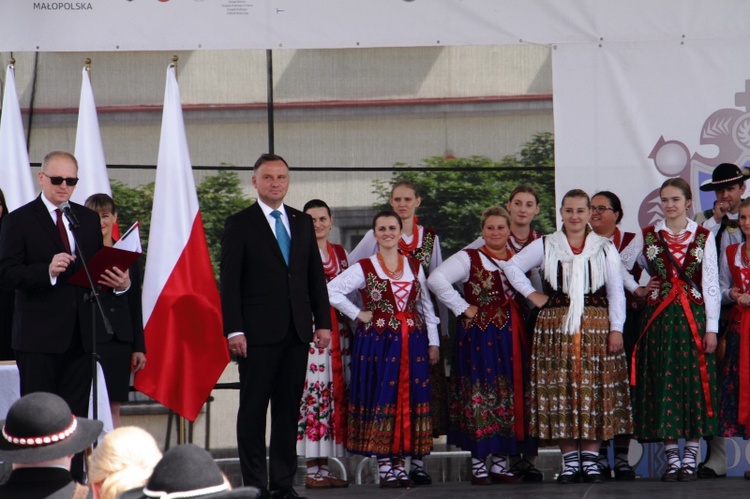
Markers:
point(52, 331)
point(42, 470)
point(272, 287)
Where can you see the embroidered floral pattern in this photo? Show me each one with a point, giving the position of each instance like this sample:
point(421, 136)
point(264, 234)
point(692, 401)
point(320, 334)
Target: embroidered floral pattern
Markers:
point(377, 349)
point(317, 409)
point(485, 290)
point(424, 253)
point(321, 426)
point(661, 267)
point(653, 250)
point(375, 293)
point(697, 255)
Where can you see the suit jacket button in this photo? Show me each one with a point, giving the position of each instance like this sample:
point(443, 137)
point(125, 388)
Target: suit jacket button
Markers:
point(111, 309)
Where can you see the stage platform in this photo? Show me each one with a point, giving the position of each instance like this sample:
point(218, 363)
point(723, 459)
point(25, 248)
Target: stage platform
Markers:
point(450, 473)
point(724, 488)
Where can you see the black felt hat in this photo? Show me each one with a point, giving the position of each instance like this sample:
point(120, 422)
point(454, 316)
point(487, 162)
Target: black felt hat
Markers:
point(40, 427)
point(187, 471)
point(725, 175)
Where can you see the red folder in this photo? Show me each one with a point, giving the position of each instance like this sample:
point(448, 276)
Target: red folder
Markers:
point(105, 259)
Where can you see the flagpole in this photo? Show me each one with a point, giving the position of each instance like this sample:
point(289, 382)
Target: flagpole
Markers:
point(269, 101)
point(182, 422)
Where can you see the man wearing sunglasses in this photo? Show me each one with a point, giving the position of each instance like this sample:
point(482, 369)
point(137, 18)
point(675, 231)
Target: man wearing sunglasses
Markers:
point(52, 332)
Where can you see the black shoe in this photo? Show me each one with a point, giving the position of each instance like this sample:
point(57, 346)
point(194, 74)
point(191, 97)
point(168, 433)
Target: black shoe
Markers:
point(264, 494)
point(606, 472)
point(624, 473)
point(706, 472)
point(532, 474)
point(670, 474)
point(569, 478)
point(593, 477)
point(419, 477)
point(289, 493)
point(525, 469)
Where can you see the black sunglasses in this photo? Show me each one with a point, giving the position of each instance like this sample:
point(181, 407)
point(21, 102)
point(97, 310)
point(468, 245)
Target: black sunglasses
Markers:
point(71, 181)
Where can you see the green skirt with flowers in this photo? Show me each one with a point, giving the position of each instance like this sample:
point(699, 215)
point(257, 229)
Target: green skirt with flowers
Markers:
point(670, 399)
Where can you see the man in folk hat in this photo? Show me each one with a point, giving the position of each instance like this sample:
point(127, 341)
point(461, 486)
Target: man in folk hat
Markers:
point(728, 183)
point(39, 437)
point(188, 471)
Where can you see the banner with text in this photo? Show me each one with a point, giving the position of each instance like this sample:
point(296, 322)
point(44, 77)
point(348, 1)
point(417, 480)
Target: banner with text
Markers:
point(132, 25)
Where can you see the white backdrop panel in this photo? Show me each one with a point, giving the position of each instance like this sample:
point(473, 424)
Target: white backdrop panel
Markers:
point(629, 115)
point(113, 25)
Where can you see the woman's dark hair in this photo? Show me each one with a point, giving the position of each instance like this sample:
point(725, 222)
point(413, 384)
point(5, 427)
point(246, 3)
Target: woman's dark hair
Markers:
point(494, 211)
point(2, 203)
point(101, 202)
point(316, 203)
point(385, 214)
point(406, 183)
point(526, 188)
point(680, 184)
point(614, 201)
point(576, 193)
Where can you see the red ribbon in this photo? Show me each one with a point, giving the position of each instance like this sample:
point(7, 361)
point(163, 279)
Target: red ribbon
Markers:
point(677, 293)
point(518, 331)
point(403, 403)
point(743, 415)
point(340, 409)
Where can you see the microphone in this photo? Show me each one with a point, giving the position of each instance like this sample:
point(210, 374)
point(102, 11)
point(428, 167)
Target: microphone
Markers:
point(68, 211)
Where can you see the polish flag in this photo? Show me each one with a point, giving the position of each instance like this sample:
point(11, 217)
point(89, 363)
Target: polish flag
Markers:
point(16, 179)
point(186, 347)
point(92, 168)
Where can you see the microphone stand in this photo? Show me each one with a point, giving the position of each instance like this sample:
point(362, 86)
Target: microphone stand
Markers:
point(93, 297)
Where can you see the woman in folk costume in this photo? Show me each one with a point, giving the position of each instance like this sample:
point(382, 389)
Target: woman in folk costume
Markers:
point(579, 391)
point(734, 415)
point(321, 430)
point(523, 207)
point(489, 371)
point(674, 371)
point(423, 244)
point(395, 342)
point(606, 214)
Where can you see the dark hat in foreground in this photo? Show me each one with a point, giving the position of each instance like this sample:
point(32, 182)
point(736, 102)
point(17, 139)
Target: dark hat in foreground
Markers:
point(725, 175)
point(187, 471)
point(40, 427)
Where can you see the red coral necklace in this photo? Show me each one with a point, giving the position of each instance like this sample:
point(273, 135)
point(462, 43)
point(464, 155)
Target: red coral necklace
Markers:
point(408, 248)
point(396, 274)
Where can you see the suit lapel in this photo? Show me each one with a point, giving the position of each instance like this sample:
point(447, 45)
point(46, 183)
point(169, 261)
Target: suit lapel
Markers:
point(47, 225)
point(295, 229)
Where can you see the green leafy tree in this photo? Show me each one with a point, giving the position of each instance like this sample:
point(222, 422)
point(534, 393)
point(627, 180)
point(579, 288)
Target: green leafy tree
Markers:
point(456, 192)
point(219, 196)
point(134, 205)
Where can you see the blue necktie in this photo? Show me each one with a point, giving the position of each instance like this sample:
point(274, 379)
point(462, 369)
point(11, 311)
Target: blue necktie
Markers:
point(282, 236)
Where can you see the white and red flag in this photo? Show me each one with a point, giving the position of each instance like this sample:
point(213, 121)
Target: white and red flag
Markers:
point(89, 152)
point(16, 179)
point(181, 305)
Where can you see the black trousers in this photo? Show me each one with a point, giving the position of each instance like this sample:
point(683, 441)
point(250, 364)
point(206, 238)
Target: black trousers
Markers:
point(276, 374)
point(66, 374)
